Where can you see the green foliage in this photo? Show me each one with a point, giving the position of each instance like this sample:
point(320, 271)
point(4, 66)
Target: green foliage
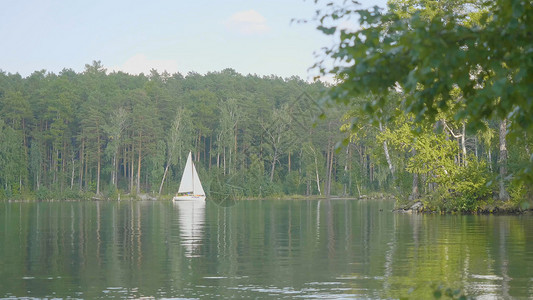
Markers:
point(13, 160)
point(73, 133)
point(433, 50)
point(520, 194)
point(156, 163)
point(92, 187)
point(43, 194)
point(95, 132)
point(223, 189)
point(467, 188)
point(73, 195)
point(112, 193)
point(433, 156)
point(293, 183)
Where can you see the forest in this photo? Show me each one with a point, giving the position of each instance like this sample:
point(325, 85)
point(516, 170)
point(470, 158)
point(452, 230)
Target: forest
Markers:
point(411, 115)
point(93, 134)
point(72, 135)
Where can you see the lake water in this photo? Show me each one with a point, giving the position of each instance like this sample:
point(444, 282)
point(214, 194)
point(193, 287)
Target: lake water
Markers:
point(258, 249)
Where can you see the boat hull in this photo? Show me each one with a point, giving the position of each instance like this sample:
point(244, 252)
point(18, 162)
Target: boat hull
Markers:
point(188, 198)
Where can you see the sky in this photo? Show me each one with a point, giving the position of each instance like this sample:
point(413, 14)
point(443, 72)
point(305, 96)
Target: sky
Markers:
point(250, 36)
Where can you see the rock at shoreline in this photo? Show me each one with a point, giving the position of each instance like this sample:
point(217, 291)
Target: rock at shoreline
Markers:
point(417, 207)
point(146, 197)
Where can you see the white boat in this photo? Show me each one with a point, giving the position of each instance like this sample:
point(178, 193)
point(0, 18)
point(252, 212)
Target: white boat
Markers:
point(190, 185)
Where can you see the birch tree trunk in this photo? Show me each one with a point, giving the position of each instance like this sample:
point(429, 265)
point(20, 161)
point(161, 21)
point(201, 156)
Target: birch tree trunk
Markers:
point(139, 165)
point(98, 168)
point(273, 166)
point(174, 143)
point(81, 165)
point(490, 160)
point(316, 171)
point(504, 196)
point(330, 171)
point(132, 164)
point(463, 145)
point(386, 150)
point(346, 169)
point(86, 169)
point(414, 189)
point(114, 170)
point(163, 180)
point(73, 173)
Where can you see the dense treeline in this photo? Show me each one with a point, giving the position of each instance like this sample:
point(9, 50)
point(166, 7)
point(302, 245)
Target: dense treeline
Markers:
point(74, 134)
point(442, 163)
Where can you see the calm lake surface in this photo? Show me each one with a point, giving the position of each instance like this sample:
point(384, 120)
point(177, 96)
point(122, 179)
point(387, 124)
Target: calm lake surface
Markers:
point(258, 249)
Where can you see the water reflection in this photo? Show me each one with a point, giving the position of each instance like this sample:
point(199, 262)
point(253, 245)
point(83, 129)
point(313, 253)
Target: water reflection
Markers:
point(257, 249)
point(191, 220)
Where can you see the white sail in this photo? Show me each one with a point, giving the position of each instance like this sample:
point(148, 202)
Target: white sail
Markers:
point(197, 185)
point(190, 183)
point(186, 184)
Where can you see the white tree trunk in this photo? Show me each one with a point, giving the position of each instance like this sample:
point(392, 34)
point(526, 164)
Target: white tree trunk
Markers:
point(317, 177)
point(386, 150)
point(504, 196)
point(463, 145)
point(163, 180)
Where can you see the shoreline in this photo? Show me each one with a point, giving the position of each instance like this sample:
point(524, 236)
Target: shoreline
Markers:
point(417, 207)
point(501, 209)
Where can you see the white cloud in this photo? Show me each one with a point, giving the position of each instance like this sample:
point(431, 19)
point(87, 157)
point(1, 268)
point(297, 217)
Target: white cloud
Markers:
point(247, 22)
point(139, 63)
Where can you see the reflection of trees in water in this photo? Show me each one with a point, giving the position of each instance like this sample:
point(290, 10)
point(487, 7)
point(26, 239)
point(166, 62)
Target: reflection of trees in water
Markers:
point(389, 256)
point(331, 229)
point(146, 248)
point(504, 259)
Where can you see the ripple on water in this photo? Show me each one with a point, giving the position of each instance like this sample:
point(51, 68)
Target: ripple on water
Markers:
point(279, 249)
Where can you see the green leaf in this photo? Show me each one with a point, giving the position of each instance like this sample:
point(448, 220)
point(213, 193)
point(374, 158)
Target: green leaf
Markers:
point(327, 30)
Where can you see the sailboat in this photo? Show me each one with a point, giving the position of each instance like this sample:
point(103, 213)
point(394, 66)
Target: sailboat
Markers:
point(190, 185)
